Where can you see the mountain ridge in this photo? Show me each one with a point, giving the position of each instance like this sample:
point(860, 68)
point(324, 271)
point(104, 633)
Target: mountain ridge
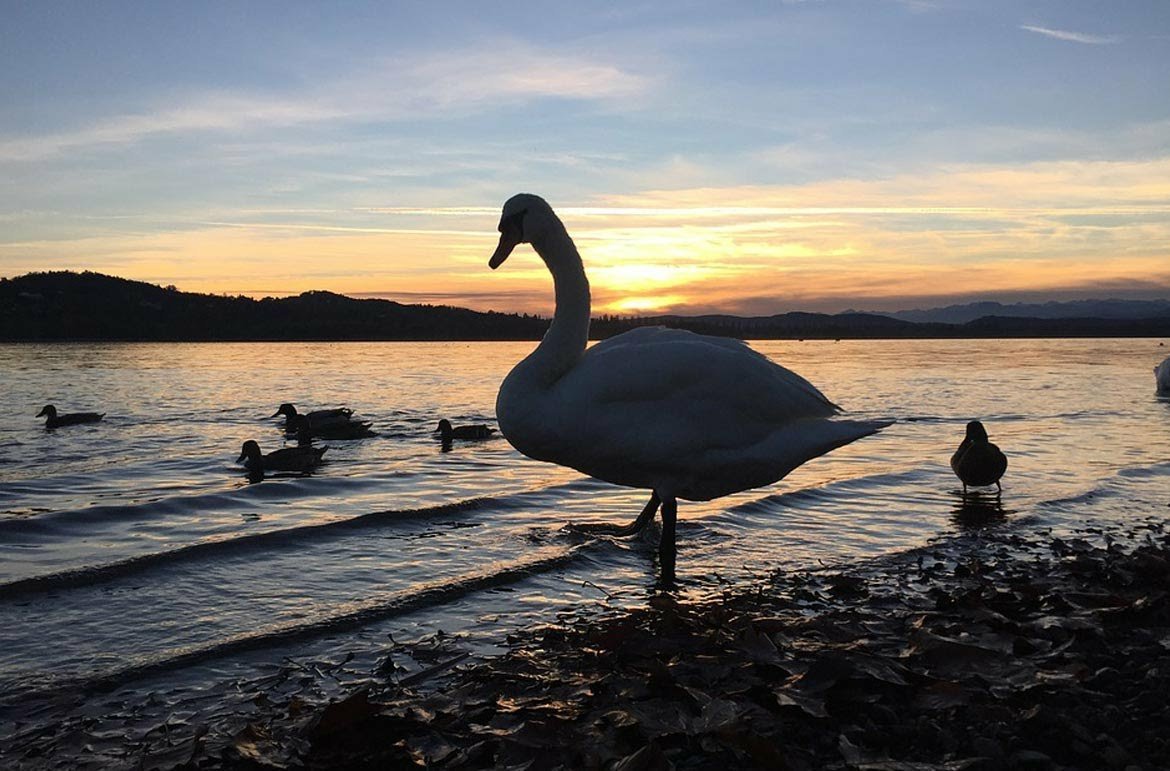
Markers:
point(66, 305)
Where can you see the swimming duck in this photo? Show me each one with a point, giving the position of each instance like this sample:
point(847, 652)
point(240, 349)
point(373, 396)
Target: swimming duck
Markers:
point(300, 459)
point(53, 420)
point(306, 431)
point(682, 415)
point(1162, 377)
point(316, 417)
point(978, 462)
point(447, 432)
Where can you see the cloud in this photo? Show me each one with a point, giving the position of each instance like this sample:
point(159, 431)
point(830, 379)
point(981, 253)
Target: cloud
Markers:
point(1073, 37)
point(498, 73)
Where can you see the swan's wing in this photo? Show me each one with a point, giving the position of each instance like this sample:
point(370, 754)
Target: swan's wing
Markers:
point(712, 377)
point(661, 398)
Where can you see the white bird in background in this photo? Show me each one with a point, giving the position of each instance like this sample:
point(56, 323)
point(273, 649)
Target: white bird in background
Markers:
point(683, 415)
point(1162, 377)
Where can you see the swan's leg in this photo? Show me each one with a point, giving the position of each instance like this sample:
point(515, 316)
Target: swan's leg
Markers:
point(666, 550)
point(998, 486)
point(647, 515)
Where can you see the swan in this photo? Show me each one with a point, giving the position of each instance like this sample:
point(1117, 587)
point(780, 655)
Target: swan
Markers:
point(447, 432)
point(53, 420)
point(978, 462)
point(1162, 377)
point(682, 415)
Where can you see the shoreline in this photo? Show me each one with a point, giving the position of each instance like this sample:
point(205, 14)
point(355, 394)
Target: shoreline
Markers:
point(992, 649)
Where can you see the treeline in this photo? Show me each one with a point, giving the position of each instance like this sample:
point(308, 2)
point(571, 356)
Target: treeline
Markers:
point(91, 306)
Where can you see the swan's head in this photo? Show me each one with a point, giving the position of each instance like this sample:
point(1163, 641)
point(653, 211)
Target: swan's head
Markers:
point(49, 410)
point(524, 219)
point(976, 432)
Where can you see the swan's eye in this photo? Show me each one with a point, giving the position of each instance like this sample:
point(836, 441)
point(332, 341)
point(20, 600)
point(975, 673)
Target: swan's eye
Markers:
point(514, 222)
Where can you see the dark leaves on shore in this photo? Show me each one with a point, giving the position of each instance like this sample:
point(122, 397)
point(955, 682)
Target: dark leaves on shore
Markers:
point(986, 653)
point(998, 650)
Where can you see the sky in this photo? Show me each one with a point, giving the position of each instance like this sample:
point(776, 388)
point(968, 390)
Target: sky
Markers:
point(750, 158)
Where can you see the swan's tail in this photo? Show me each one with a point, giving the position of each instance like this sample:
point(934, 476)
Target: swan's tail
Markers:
point(777, 455)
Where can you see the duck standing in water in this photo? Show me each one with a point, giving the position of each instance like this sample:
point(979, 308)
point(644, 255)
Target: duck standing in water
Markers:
point(447, 432)
point(978, 462)
point(298, 459)
point(679, 414)
point(53, 420)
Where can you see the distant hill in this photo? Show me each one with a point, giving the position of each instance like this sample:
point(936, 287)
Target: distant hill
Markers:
point(91, 306)
point(1075, 309)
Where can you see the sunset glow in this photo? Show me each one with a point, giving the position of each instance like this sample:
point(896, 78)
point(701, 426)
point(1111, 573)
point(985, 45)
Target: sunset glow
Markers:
point(382, 172)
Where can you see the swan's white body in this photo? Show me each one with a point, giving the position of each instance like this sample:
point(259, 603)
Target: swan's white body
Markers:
point(1162, 377)
point(685, 415)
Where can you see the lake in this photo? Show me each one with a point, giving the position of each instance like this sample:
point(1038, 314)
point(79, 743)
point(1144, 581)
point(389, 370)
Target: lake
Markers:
point(143, 577)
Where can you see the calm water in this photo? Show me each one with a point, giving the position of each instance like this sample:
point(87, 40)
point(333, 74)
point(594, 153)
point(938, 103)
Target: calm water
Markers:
point(135, 551)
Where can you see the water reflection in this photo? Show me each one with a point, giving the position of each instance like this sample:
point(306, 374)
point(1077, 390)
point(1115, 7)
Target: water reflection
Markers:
point(979, 509)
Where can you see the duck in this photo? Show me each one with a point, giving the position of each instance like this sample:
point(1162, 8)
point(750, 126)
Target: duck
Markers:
point(53, 420)
point(306, 431)
point(316, 417)
point(683, 415)
point(1162, 377)
point(978, 462)
point(299, 459)
point(447, 432)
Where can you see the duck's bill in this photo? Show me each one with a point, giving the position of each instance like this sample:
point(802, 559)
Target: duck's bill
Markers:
point(242, 458)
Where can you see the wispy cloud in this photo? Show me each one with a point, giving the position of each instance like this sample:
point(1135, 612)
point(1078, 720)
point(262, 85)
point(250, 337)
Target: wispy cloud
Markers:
point(1073, 37)
point(500, 73)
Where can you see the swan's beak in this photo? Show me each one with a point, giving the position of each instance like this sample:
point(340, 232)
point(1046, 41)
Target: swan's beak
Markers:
point(242, 458)
point(510, 235)
point(507, 244)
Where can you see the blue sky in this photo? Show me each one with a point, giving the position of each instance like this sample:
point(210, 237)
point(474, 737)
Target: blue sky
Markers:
point(747, 157)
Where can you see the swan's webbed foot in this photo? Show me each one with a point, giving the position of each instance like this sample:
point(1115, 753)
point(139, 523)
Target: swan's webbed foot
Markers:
point(637, 526)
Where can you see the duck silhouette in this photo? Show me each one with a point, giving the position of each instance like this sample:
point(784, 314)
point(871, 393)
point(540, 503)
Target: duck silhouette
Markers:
point(306, 431)
point(315, 418)
point(298, 459)
point(53, 420)
point(978, 462)
point(447, 432)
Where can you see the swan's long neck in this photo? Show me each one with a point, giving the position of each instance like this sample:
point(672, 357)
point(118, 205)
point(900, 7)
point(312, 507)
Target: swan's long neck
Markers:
point(565, 340)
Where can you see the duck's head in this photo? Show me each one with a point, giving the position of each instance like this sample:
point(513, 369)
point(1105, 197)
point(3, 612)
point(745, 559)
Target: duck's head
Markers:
point(250, 451)
point(285, 409)
point(49, 410)
point(526, 217)
point(445, 427)
point(976, 432)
